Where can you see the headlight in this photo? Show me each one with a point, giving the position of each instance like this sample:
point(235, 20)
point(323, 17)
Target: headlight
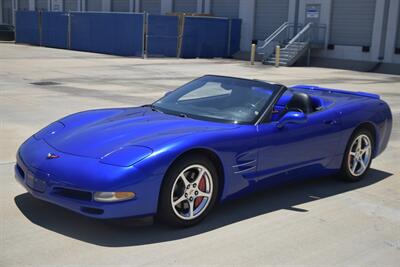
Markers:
point(113, 196)
point(126, 156)
point(51, 129)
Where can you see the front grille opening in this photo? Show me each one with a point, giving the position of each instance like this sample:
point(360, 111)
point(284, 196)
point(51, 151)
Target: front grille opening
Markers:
point(92, 210)
point(20, 171)
point(71, 193)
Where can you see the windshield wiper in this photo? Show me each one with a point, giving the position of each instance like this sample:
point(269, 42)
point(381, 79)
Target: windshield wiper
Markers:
point(153, 108)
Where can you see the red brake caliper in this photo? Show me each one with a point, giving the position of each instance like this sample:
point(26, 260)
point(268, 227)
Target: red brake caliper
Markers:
point(201, 187)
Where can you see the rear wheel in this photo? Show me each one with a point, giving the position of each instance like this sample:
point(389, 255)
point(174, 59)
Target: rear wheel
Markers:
point(189, 191)
point(358, 156)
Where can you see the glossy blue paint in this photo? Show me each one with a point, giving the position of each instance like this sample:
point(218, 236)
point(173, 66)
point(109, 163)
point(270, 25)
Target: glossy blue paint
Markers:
point(130, 149)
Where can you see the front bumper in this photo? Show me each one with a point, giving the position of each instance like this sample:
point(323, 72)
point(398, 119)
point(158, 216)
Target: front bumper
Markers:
point(71, 181)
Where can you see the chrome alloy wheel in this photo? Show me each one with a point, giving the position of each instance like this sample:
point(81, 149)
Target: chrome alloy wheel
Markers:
point(191, 192)
point(359, 155)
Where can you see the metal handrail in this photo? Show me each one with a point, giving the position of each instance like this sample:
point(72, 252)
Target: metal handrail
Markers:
point(274, 34)
point(299, 35)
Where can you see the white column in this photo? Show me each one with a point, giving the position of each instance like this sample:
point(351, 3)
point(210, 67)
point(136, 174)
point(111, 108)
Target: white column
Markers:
point(207, 6)
point(292, 11)
point(31, 5)
point(57, 5)
point(131, 5)
point(377, 29)
point(106, 6)
point(49, 5)
point(246, 14)
point(166, 6)
point(14, 7)
point(391, 31)
point(137, 5)
point(79, 5)
point(199, 6)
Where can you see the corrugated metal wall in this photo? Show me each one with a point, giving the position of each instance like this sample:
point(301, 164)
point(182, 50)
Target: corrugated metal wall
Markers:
point(7, 11)
point(150, 6)
point(225, 8)
point(94, 5)
point(270, 14)
point(120, 5)
point(188, 6)
point(41, 5)
point(352, 22)
point(22, 4)
point(70, 5)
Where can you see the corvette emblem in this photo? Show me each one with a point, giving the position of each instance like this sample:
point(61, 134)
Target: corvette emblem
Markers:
point(52, 156)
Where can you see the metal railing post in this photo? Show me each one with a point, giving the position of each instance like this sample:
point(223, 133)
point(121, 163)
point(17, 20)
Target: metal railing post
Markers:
point(69, 31)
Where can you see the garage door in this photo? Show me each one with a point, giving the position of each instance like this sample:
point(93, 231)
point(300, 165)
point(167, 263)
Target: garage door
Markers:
point(70, 5)
point(188, 6)
point(270, 14)
point(120, 5)
point(150, 6)
point(225, 8)
point(94, 5)
point(7, 12)
point(41, 5)
point(22, 4)
point(352, 22)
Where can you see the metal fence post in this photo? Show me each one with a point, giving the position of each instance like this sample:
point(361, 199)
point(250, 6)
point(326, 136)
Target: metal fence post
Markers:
point(145, 37)
point(180, 35)
point(229, 37)
point(69, 30)
point(40, 28)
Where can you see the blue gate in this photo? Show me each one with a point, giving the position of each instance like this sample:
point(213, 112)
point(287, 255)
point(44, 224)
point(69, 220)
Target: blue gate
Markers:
point(55, 29)
point(205, 37)
point(109, 33)
point(162, 35)
point(27, 27)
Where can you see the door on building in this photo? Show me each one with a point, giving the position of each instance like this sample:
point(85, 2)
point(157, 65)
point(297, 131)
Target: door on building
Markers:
point(70, 5)
point(94, 5)
point(313, 15)
point(42, 5)
point(185, 6)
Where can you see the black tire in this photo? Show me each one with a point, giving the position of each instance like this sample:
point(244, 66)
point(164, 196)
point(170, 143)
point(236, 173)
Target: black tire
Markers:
point(166, 211)
point(346, 174)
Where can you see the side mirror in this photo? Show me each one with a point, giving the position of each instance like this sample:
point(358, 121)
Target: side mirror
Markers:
point(292, 117)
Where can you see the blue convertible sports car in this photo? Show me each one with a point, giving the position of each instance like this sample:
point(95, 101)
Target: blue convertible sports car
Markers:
point(212, 139)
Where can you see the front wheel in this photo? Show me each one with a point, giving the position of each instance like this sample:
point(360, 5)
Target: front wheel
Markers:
point(358, 156)
point(189, 191)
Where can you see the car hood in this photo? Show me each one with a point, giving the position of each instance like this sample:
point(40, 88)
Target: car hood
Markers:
point(99, 132)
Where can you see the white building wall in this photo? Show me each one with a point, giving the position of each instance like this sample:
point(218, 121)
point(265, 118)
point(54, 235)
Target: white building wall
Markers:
point(392, 31)
point(246, 13)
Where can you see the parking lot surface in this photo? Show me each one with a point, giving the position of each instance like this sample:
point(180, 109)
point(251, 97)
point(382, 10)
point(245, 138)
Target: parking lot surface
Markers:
point(319, 222)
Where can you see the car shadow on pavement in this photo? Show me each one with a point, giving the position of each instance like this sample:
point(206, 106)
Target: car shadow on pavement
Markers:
point(136, 232)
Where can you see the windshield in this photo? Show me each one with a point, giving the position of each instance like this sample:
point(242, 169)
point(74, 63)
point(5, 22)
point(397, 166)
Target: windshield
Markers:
point(218, 98)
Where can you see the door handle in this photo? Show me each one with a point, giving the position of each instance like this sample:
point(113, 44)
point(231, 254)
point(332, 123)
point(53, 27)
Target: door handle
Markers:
point(330, 122)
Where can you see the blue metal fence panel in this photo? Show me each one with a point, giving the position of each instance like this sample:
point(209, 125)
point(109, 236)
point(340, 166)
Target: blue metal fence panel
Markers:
point(108, 33)
point(162, 35)
point(205, 37)
point(236, 25)
point(27, 27)
point(55, 29)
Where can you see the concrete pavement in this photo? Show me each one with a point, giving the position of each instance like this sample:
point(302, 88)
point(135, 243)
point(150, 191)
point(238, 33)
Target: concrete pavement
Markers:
point(321, 222)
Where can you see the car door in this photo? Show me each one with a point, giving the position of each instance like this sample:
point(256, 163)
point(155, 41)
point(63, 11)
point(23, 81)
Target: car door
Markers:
point(297, 146)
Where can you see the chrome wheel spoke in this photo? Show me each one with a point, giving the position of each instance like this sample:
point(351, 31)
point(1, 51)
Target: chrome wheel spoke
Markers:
point(198, 178)
point(191, 209)
point(359, 155)
point(184, 179)
point(353, 168)
point(179, 200)
point(203, 194)
point(363, 167)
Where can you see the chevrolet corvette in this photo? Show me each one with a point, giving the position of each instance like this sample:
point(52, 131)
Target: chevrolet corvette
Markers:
point(213, 139)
